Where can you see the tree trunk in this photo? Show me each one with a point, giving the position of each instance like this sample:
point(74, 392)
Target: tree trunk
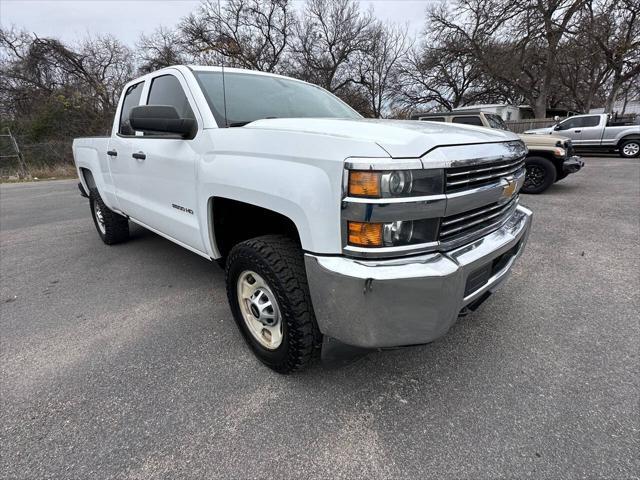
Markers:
point(611, 98)
point(540, 106)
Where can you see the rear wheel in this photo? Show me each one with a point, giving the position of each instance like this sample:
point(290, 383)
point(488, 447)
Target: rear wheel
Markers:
point(111, 226)
point(630, 149)
point(269, 297)
point(541, 173)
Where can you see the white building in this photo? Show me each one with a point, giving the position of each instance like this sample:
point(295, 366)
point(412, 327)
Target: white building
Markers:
point(631, 107)
point(507, 112)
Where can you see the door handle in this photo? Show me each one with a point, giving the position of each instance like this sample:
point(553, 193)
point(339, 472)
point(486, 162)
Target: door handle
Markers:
point(112, 153)
point(577, 131)
point(139, 156)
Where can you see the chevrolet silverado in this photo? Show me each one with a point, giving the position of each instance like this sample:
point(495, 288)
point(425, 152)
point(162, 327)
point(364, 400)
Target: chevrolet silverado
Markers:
point(332, 229)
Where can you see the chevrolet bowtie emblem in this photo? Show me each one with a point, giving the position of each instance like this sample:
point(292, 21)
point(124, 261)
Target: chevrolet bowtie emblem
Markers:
point(509, 185)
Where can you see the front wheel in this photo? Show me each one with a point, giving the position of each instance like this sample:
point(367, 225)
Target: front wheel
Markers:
point(269, 298)
point(541, 173)
point(111, 226)
point(630, 149)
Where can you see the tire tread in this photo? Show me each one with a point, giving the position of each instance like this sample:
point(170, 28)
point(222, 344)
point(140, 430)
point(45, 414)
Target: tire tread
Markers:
point(283, 268)
point(116, 226)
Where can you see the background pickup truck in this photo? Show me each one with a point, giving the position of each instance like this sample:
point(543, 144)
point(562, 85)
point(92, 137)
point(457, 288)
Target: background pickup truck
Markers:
point(599, 132)
point(333, 230)
point(550, 158)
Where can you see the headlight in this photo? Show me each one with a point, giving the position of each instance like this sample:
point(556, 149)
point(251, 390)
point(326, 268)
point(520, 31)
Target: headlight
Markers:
point(392, 234)
point(395, 183)
point(559, 152)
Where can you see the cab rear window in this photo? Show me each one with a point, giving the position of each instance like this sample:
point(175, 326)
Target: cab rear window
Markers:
point(468, 120)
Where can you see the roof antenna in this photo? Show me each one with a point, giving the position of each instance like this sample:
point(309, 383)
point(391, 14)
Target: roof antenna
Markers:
point(222, 38)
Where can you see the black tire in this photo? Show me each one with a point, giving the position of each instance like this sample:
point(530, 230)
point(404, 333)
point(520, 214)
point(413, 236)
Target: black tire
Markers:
point(279, 261)
point(630, 146)
point(115, 228)
point(541, 174)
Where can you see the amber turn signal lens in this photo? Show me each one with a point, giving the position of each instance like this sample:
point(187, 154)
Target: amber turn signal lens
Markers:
point(364, 184)
point(365, 234)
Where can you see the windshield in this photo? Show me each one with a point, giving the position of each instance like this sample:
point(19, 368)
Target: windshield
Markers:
point(252, 97)
point(495, 121)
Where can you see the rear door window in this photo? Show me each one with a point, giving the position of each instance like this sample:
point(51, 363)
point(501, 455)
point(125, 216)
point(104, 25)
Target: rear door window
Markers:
point(131, 99)
point(433, 119)
point(468, 120)
point(591, 121)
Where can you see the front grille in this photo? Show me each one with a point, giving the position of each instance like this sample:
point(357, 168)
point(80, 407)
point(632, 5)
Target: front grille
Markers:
point(461, 224)
point(464, 178)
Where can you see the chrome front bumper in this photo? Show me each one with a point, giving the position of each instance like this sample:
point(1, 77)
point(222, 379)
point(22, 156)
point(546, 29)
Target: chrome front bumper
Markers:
point(408, 301)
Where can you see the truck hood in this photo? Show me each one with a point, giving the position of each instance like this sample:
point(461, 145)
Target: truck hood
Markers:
point(540, 131)
point(531, 139)
point(399, 138)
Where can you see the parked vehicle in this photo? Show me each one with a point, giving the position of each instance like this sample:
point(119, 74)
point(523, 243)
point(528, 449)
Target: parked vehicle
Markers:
point(333, 229)
point(599, 132)
point(549, 158)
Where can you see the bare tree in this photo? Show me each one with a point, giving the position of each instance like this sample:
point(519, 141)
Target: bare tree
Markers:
point(522, 35)
point(378, 66)
point(163, 48)
point(582, 70)
point(42, 78)
point(253, 34)
point(328, 37)
point(615, 30)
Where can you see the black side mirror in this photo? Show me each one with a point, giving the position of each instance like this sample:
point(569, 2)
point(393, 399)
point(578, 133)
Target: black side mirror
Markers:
point(557, 127)
point(161, 119)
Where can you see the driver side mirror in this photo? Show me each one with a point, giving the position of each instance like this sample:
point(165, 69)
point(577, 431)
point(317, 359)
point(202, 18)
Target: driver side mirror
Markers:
point(557, 126)
point(161, 119)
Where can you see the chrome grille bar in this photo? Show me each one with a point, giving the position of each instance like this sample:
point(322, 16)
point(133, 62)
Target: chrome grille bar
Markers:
point(485, 177)
point(492, 167)
point(461, 178)
point(488, 215)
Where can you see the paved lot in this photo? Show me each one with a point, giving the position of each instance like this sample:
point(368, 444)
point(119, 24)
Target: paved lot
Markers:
point(124, 362)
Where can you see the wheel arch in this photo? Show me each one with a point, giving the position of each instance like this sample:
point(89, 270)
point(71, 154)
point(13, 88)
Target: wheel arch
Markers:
point(233, 221)
point(86, 177)
point(626, 138)
point(549, 156)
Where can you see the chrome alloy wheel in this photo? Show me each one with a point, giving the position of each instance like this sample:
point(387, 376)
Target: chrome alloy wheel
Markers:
point(259, 309)
point(97, 211)
point(631, 149)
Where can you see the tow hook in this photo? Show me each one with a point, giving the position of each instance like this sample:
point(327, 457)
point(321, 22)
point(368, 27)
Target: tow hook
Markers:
point(367, 285)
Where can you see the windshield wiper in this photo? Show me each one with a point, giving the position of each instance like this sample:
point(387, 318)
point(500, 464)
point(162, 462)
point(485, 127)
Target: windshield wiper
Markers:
point(242, 124)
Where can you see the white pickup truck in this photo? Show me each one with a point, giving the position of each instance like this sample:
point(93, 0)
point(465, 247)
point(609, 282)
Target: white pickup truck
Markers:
point(334, 230)
point(598, 132)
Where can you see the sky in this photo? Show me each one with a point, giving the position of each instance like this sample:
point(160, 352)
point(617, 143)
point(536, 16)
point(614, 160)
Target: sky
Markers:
point(71, 20)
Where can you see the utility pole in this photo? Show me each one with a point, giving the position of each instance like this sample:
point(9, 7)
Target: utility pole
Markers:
point(23, 172)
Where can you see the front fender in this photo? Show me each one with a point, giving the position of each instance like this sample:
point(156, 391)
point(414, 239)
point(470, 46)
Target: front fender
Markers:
point(309, 195)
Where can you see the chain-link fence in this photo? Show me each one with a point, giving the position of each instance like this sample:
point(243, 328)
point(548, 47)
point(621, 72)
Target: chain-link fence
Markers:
point(20, 158)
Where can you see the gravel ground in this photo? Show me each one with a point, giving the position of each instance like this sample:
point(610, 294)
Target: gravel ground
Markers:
point(124, 362)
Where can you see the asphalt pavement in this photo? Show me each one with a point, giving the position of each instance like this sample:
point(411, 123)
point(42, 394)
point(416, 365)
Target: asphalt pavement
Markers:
point(124, 361)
